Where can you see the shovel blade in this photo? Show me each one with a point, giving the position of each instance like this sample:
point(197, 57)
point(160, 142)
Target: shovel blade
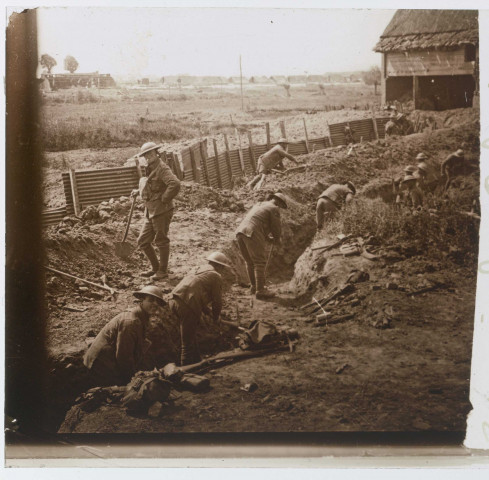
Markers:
point(123, 249)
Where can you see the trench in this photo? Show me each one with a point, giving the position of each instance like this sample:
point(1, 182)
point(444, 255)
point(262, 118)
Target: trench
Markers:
point(67, 378)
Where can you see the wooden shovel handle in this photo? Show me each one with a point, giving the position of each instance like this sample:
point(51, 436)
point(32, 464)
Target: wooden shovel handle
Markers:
point(129, 219)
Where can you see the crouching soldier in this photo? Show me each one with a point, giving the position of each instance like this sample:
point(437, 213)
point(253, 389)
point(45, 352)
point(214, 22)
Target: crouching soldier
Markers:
point(115, 354)
point(452, 165)
point(270, 160)
point(331, 200)
point(191, 298)
point(252, 236)
point(411, 194)
point(157, 191)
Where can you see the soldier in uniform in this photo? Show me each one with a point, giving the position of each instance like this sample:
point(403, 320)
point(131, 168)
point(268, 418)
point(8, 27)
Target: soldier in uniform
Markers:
point(252, 236)
point(411, 194)
point(331, 200)
point(157, 190)
point(452, 165)
point(270, 160)
point(115, 354)
point(191, 297)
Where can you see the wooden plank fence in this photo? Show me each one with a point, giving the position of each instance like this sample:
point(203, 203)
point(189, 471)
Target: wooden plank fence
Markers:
point(92, 187)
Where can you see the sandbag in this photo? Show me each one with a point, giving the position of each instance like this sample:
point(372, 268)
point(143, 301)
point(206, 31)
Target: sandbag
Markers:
point(144, 389)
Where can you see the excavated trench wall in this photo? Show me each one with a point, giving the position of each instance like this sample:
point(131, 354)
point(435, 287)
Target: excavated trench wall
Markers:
point(298, 229)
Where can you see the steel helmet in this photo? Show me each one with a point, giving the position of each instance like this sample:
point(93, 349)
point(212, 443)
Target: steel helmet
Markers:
point(422, 166)
point(351, 187)
point(147, 147)
point(282, 140)
point(220, 258)
point(459, 153)
point(421, 156)
point(281, 197)
point(151, 290)
point(408, 178)
point(410, 169)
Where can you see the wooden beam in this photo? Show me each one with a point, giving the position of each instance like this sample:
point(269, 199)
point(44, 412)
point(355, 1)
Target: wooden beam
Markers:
point(218, 170)
point(374, 123)
point(252, 153)
point(415, 92)
point(195, 171)
point(267, 125)
point(74, 192)
point(203, 154)
point(329, 135)
point(228, 159)
point(282, 129)
point(305, 132)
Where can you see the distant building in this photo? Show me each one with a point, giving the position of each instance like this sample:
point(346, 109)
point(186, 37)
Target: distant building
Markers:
point(317, 79)
point(68, 80)
point(237, 80)
point(279, 79)
point(260, 79)
point(297, 79)
point(430, 57)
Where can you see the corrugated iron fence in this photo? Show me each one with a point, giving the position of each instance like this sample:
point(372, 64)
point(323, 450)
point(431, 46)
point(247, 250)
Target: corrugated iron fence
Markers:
point(91, 187)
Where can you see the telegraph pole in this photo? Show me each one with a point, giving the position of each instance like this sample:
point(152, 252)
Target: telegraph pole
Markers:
point(241, 78)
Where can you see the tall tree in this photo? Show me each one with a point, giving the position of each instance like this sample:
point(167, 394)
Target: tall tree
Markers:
point(71, 64)
point(372, 77)
point(47, 62)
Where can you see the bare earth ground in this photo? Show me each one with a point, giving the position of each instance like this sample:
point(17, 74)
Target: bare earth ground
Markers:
point(413, 375)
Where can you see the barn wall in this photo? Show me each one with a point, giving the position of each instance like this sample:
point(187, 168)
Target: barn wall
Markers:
point(399, 88)
point(428, 63)
point(445, 92)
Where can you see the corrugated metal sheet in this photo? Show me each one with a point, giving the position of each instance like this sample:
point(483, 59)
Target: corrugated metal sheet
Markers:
point(212, 172)
point(297, 148)
point(247, 161)
point(54, 216)
point(235, 163)
point(223, 166)
point(259, 150)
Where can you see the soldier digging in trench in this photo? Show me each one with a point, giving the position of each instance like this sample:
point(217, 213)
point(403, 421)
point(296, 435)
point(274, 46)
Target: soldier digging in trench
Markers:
point(157, 189)
point(331, 200)
point(252, 236)
point(115, 354)
point(272, 159)
point(191, 297)
point(452, 165)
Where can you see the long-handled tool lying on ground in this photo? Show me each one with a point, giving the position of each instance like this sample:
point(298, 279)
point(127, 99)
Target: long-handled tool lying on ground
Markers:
point(88, 282)
point(124, 249)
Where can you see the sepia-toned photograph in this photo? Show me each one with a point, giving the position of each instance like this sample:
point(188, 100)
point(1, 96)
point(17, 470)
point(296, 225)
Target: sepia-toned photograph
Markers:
point(228, 220)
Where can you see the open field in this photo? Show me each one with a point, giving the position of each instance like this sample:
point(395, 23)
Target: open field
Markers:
point(75, 119)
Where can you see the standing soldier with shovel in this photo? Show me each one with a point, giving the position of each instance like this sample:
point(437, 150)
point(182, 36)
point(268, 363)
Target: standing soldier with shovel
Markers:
point(157, 190)
point(252, 236)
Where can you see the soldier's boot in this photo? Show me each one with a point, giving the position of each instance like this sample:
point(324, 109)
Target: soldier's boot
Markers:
point(149, 251)
point(162, 272)
point(251, 276)
point(261, 290)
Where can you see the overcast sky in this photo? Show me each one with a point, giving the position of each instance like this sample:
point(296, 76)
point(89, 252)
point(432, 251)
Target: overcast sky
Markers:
point(208, 41)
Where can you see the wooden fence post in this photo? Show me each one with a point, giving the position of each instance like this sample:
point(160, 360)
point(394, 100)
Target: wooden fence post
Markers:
point(74, 192)
point(267, 125)
point(228, 158)
point(329, 135)
point(374, 123)
point(203, 154)
point(195, 171)
point(176, 163)
point(282, 129)
point(252, 153)
point(307, 137)
point(218, 170)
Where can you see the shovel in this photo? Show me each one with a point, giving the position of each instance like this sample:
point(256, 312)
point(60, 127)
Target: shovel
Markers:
point(123, 249)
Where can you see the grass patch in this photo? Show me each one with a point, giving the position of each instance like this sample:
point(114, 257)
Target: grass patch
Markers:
point(438, 228)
